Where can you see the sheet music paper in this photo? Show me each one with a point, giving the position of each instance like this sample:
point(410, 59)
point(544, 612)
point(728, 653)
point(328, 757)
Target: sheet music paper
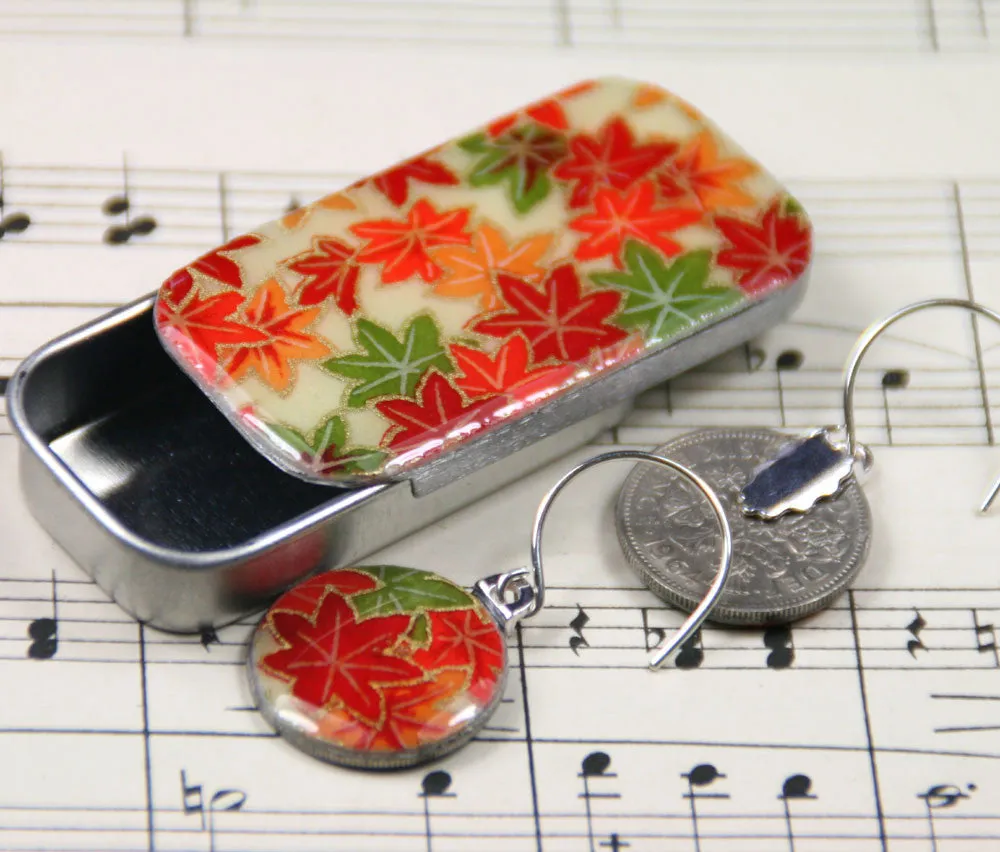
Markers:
point(872, 726)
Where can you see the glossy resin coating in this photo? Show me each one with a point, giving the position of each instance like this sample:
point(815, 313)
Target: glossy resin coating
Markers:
point(421, 307)
point(377, 667)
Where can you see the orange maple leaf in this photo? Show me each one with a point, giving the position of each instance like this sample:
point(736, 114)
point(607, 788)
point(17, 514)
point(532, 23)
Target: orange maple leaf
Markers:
point(286, 338)
point(696, 172)
point(472, 270)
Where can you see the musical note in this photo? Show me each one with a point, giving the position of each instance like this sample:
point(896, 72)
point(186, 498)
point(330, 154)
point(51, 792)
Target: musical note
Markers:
point(577, 624)
point(121, 205)
point(435, 785)
point(193, 801)
point(795, 787)
point(939, 797)
point(615, 843)
point(691, 654)
point(914, 628)
point(651, 636)
point(986, 639)
point(10, 223)
point(703, 775)
point(44, 632)
point(892, 380)
point(779, 640)
point(754, 357)
point(788, 361)
point(209, 637)
point(594, 765)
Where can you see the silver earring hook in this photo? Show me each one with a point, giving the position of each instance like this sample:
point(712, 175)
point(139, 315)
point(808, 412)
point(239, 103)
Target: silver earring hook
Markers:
point(698, 616)
point(868, 338)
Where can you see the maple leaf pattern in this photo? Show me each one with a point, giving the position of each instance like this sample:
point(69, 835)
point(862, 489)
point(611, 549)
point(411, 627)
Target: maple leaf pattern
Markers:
point(305, 596)
point(329, 269)
point(197, 326)
point(391, 366)
point(667, 300)
point(285, 338)
point(559, 321)
point(330, 658)
point(402, 247)
point(618, 216)
point(219, 266)
point(298, 216)
point(698, 175)
point(520, 158)
point(407, 590)
point(483, 375)
point(548, 111)
point(326, 453)
point(438, 412)
point(611, 158)
point(463, 639)
point(472, 271)
point(394, 183)
point(767, 255)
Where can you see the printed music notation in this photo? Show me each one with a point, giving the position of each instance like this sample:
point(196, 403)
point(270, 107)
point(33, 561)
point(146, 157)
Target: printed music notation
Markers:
point(920, 391)
point(128, 203)
point(877, 25)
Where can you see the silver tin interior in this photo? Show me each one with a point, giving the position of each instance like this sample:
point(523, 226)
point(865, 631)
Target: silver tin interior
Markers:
point(138, 476)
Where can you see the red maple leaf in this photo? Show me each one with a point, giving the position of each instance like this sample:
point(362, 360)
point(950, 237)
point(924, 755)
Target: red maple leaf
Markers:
point(305, 597)
point(619, 216)
point(767, 255)
point(548, 111)
point(224, 269)
point(195, 327)
point(332, 659)
point(484, 375)
point(402, 246)
point(330, 268)
point(559, 321)
point(609, 159)
point(463, 639)
point(394, 183)
point(439, 410)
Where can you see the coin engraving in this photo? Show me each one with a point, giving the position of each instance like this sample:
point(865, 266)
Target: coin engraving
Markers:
point(782, 569)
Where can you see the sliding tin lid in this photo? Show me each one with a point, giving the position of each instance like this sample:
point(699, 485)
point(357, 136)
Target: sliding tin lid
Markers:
point(369, 333)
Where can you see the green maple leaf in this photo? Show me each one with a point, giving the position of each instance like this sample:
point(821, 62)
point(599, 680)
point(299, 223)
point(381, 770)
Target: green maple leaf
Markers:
point(325, 453)
point(407, 590)
point(391, 366)
point(667, 300)
point(521, 158)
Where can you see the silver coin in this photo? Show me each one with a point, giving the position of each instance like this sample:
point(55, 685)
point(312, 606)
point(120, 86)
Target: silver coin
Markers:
point(782, 569)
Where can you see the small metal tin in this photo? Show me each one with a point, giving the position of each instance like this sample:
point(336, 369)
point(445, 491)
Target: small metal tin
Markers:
point(187, 523)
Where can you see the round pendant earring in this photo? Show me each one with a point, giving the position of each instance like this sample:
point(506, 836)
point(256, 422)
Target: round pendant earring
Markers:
point(801, 524)
point(383, 667)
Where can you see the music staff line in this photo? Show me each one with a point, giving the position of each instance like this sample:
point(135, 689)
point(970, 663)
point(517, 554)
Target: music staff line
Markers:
point(885, 26)
point(907, 637)
point(197, 208)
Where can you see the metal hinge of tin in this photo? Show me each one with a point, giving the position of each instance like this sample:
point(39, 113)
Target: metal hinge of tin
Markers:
point(333, 381)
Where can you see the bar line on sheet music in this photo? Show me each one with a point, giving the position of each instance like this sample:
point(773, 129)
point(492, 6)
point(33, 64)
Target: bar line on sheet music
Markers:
point(564, 31)
point(970, 294)
point(984, 24)
point(528, 741)
point(876, 790)
point(932, 27)
point(224, 207)
point(150, 825)
point(188, 15)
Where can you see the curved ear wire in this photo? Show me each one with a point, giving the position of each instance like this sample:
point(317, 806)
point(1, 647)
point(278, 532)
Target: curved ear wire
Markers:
point(662, 654)
point(868, 338)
